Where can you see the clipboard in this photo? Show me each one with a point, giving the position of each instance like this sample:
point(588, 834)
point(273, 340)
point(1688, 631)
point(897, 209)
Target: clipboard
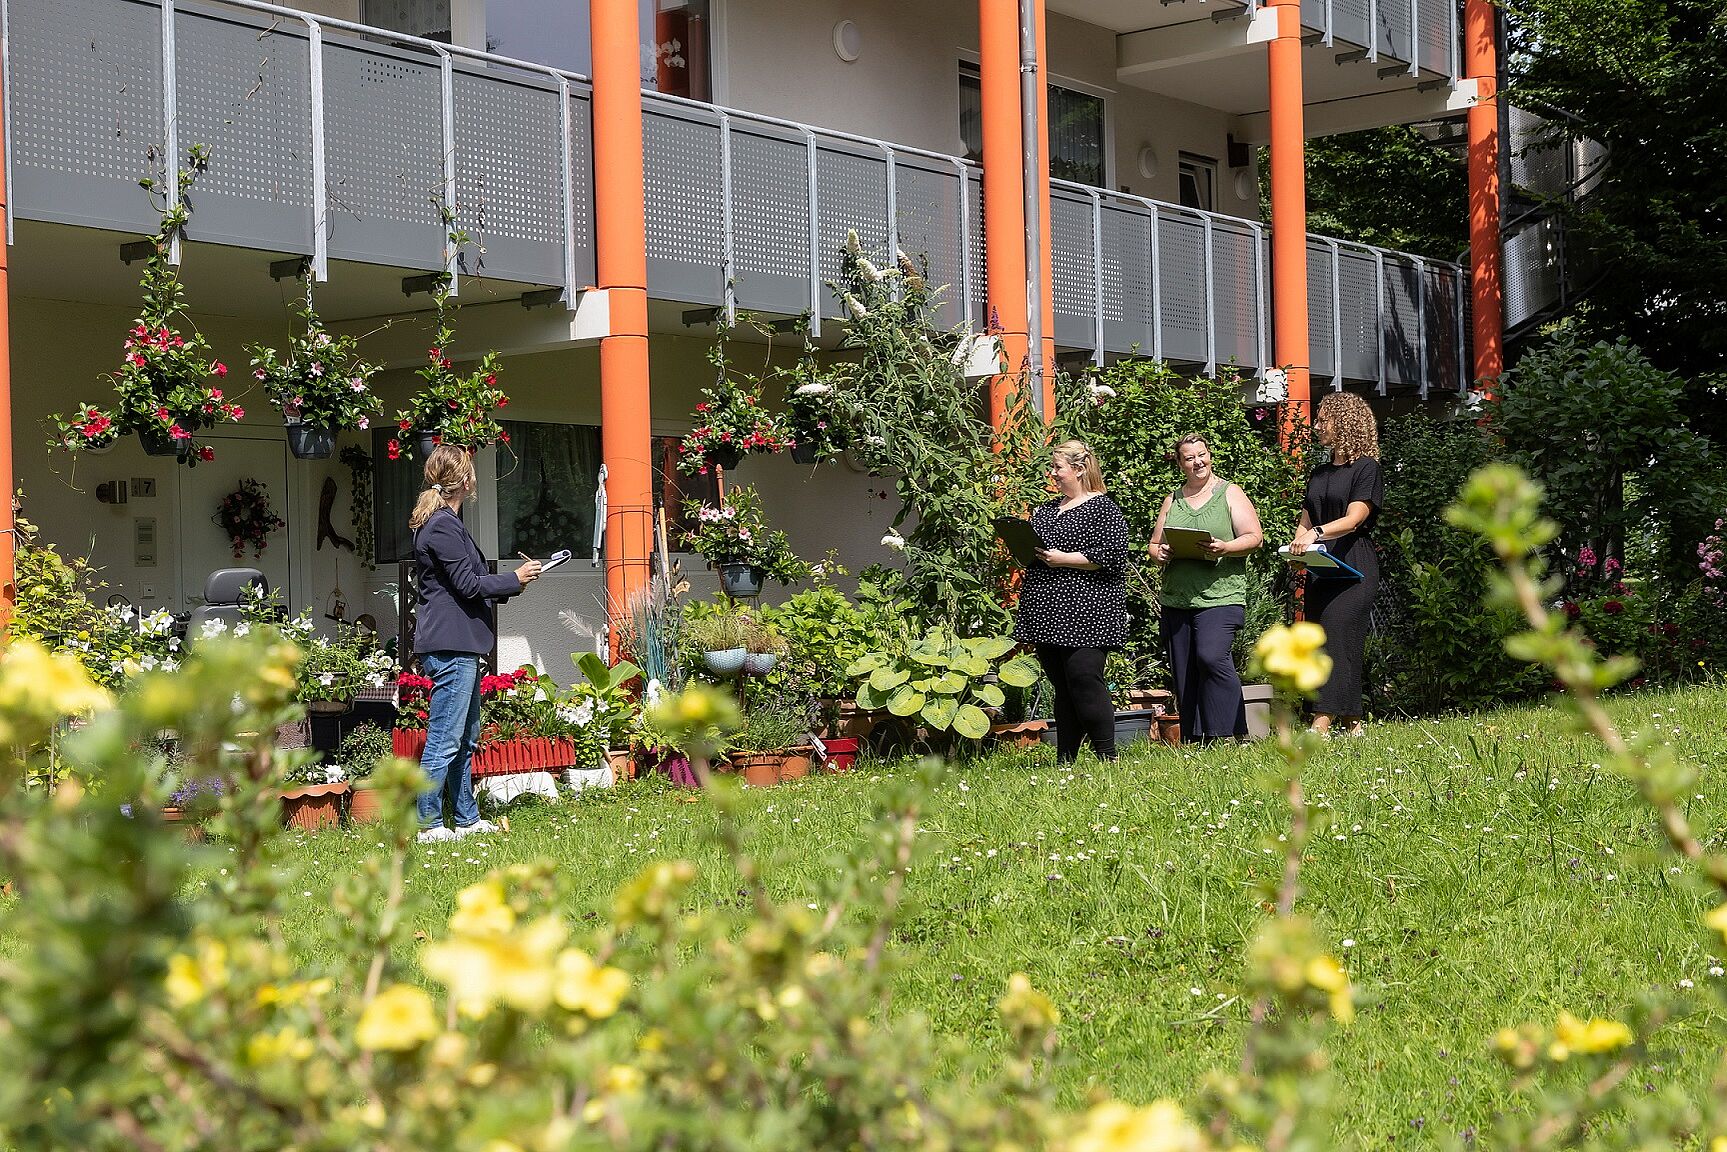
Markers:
point(561, 556)
point(1184, 543)
point(1021, 539)
point(1321, 564)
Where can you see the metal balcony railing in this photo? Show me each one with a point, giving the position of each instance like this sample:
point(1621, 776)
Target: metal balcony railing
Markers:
point(336, 141)
point(1553, 167)
point(1421, 34)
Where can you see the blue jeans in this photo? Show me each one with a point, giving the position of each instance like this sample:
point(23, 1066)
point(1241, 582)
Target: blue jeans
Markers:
point(451, 733)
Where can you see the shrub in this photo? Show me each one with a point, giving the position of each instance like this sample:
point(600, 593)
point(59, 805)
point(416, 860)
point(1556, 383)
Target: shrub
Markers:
point(362, 748)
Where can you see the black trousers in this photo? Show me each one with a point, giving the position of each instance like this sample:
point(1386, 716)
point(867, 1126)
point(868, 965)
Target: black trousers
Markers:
point(1083, 710)
point(1207, 688)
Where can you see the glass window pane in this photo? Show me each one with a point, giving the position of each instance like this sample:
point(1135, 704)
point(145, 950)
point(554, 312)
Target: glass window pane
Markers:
point(546, 481)
point(1075, 136)
point(673, 489)
point(429, 19)
point(970, 111)
point(396, 484)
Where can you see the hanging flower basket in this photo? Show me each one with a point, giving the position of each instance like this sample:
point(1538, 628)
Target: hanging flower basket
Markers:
point(805, 453)
point(741, 581)
point(318, 383)
point(726, 458)
point(311, 441)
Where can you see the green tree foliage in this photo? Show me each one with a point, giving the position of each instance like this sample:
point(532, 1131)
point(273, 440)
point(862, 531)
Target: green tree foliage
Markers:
point(1605, 432)
point(1647, 78)
point(1387, 186)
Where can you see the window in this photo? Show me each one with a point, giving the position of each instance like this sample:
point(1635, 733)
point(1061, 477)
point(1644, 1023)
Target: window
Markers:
point(547, 478)
point(672, 489)
point(1077, 144)
point(674, 33)
point(396, 484)
point(1198, 179)
point(429, 19)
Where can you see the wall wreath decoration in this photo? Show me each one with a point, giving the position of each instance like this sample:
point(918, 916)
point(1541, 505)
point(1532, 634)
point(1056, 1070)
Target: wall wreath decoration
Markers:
point(247, 519)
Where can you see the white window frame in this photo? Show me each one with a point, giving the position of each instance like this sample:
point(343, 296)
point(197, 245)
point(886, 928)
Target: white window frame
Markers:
point(1107, 95)
point(1204, 166)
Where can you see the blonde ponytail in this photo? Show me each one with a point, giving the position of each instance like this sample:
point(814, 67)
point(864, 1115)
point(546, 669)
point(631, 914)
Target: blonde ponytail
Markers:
point(448, 469)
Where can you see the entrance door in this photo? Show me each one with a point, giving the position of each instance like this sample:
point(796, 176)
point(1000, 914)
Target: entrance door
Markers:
point(203, 547)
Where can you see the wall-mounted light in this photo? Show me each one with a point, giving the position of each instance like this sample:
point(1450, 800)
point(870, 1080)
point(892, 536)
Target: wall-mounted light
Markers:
point(1244, 184)
point(848, 41)
point(1147, 161)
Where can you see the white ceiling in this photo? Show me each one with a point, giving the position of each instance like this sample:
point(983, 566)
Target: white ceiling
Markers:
point(1136, 15)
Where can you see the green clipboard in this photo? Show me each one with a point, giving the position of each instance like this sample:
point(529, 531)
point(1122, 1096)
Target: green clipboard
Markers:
point(1321, 564)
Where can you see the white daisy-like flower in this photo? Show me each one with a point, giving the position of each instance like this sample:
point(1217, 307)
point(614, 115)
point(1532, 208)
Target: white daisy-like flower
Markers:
point(326, 678)
point(242, 629)
point(893, 540)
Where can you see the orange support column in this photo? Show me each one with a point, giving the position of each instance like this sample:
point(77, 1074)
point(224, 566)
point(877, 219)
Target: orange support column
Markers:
point(1481, 64)
point(620, 234)
point(8, 570)
point(1003, 192)
point(1289, 215)
point(1046, 271)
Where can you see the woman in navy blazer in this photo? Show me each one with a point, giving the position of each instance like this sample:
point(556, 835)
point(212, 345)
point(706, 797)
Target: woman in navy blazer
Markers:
point(453, 630)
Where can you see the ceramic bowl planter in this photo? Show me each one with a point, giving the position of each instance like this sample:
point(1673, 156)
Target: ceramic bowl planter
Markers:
point(158, 443)
point(741, 581)
point(1025, 734)
point(808, 454)
point(313, 806)
point(427, 442)
point(311, 441)
point(760, 663)
point(727, 458)
point(726, 661)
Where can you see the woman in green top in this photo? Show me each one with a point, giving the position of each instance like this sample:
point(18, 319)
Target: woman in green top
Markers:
point(1205, 601)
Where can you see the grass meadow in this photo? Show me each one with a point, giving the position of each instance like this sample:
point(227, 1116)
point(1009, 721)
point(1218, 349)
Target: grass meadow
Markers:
point(1471, 872)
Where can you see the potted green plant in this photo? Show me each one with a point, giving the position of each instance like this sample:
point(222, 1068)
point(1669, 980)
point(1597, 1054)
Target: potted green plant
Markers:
point(334, 668)
point(730, 420)
point(165, 388)
point(358, 754)
point(450, 407)
point(826, 633)
point(816, 417)
point(603, 708)
point(943, 680)
point(734, 538)
point(765, 647)
point(318, 383)
point(722, 639)
point(771, 738)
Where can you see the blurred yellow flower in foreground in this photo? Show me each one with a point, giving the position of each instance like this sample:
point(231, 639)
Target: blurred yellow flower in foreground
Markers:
point(1292, 657)
point(1116, 1127)
point(191, 978)
point(1586, 1037)
point(583, 986)
point(1026, 1011)
point(481, 911)
point(399, 1019)
point(1717, 919)
point(515, 968)
point(1325, 974)
point(38, 687)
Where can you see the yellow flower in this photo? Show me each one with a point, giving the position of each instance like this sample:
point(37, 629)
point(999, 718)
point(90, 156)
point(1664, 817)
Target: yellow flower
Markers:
point(1026, 1011)
point(399, 1019)
point(583, 986)
point(514, 969)
point(623, 1080)
point(1717, 919)
point(481, 911)
point(1292, 657)
point(1116, 1127)
point(289, 994)
point(190, 978)
point(1595, 1035)
point(38, 688)
point(1325, 974)
point(267, 1047)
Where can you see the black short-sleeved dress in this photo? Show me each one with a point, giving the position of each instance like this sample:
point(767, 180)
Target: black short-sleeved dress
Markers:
point(1077, 607)
point(1342, 607)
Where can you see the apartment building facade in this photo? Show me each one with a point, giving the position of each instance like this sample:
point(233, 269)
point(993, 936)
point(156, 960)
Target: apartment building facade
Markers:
point(630, 171)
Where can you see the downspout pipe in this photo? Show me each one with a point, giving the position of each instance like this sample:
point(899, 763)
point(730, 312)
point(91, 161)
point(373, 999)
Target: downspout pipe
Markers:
point(1034, 179)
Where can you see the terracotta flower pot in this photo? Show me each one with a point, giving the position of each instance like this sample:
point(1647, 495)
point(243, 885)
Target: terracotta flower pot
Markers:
point(363, 805)
point(623, 763)
point(1025, 734)
point(759, 769)
point(1169, 729)
point(798, 762)
point(313, 806)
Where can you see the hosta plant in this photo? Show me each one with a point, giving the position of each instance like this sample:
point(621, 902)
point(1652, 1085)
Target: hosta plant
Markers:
point(943, 679)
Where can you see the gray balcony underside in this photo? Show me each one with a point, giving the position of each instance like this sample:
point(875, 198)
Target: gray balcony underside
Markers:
point(742, 211)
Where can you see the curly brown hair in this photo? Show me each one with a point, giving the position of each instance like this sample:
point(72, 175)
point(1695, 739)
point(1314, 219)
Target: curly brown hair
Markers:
point(1357, 433)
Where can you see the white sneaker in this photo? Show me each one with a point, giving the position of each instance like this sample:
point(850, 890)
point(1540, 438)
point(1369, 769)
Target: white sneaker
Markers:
point(437, 835)
point(477, 828)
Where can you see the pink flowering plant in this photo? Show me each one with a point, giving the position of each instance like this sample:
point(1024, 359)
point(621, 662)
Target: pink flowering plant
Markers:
point(730, 420)
point(451, 407)
point(246, 518)
point(1712, 562)
point(318, 379)
point(817, 417)
point(166, 387)
point(735, 531)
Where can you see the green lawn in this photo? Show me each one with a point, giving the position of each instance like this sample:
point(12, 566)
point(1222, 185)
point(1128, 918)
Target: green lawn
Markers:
point(1475, 873)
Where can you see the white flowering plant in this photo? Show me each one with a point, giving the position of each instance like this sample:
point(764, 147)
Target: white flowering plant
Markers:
point(337, 666)
point(817, 415)
point(735, 531)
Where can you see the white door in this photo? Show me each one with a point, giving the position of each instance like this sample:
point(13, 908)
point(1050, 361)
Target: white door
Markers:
point(203, 546)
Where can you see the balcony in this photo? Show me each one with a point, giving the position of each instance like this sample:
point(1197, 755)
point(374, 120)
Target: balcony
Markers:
point(344, 144)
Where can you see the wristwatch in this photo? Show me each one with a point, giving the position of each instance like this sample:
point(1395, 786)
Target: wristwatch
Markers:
point(1318, 533)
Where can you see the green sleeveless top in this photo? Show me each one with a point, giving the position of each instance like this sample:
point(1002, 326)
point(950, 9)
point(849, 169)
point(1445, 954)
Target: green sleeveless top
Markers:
point(1201, 583)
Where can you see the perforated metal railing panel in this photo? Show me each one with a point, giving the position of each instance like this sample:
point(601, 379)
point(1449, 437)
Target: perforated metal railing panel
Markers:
point(1437, 34)
point(1321, 312)
point(1358, 305)
point(1128, 299)
point(927, 202)
point(1531, 270)
point(509, 195)
point(680, 170)
point(1181, 267)
point(1443, 364)
point(84, 92)
point(1402, 324)
point(582, 185)
point(1235, 296)
point(1395, 33)
point(771, 219)
point(852, 194)
point(1071, 268)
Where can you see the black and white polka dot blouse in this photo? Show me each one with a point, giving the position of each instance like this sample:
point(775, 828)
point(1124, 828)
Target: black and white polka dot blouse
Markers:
point(1077, 607)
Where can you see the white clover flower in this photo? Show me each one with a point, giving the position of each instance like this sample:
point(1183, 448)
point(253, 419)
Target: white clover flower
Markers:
point(893, 540)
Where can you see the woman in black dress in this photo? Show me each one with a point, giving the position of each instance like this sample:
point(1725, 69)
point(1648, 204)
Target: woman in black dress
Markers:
point(1073, 605)
point(1339, 511)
